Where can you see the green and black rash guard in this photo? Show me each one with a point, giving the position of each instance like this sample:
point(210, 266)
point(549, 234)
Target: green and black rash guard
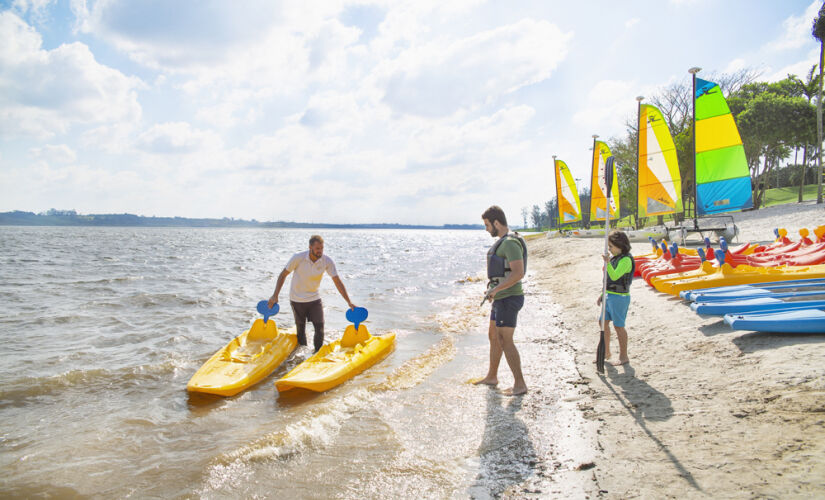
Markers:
point(620, 274)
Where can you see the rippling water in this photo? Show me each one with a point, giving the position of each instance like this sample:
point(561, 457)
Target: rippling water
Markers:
point(103, 327)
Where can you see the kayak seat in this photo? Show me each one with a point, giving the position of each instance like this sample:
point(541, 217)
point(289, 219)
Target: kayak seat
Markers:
point(352, 336)
point(262, 331)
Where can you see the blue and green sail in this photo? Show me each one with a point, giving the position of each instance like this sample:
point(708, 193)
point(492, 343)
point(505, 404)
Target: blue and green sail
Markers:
point(723, 181)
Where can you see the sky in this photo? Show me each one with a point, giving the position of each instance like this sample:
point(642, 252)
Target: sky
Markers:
point(423, 112)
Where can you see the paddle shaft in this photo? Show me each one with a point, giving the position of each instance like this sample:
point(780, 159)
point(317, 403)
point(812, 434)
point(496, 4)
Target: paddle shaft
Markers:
point(600, 350)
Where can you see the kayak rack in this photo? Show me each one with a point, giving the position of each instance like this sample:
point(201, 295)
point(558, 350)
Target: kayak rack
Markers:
point(719, 225)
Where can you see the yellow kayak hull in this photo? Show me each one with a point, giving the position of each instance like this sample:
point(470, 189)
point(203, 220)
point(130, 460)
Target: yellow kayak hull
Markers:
point(339, 361)
point(741, 275)
point(246, 360)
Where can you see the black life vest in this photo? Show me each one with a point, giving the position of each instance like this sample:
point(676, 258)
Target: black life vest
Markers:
point(498, 267)
point(621, 285)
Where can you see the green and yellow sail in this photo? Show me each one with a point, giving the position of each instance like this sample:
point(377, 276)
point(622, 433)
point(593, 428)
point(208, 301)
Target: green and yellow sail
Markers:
point(660, 185)
point(570, 209)
point(598, 198)
point(723, 181)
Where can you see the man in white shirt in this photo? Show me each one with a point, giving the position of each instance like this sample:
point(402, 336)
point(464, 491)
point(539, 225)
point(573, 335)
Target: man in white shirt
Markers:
point(304, 298)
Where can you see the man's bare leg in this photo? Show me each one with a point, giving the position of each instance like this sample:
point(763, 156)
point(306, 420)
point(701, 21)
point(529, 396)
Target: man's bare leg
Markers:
point(505, 337)
point(495, 357)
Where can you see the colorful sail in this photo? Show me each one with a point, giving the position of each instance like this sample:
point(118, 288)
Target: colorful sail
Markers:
point(723, 181)
point(660, 185)
point(570, 209)
point(598, 199)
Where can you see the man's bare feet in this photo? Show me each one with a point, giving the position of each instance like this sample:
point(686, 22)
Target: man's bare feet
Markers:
point(620, 362)
point(485, 381)
point(515, 391)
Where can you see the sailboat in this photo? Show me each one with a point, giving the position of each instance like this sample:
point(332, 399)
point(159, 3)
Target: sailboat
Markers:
point(598, 199)
point(570, 209)
point(723, 181)
point(721, 173)
point(659, 181)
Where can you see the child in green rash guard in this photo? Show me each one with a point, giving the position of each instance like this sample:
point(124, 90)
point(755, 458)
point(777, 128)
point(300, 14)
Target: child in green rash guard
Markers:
point(620, 268)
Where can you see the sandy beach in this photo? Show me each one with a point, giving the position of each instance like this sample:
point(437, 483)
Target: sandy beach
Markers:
point(701, 411)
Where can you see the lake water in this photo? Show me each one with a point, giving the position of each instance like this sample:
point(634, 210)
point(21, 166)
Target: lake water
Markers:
point(103, 327)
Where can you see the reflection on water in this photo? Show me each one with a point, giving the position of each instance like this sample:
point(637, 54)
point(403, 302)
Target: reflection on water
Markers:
point(506, 451)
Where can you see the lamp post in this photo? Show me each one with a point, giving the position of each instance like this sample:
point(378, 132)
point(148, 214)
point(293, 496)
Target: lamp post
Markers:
point(693, 72)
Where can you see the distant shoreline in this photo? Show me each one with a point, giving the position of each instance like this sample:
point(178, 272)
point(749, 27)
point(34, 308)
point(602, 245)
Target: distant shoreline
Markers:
point(71, 218)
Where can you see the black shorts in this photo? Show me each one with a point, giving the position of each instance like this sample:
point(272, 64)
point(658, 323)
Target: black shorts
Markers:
point(505, 311)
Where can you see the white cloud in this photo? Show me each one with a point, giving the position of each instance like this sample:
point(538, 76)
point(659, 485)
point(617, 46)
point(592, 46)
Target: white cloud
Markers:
point(796, 30)
point(735, 65)
point(59, 153)
point(610, 103)
point(43, 92)
point(177, 138)
point(799, 69)
point(630, 23)
point(437, 79)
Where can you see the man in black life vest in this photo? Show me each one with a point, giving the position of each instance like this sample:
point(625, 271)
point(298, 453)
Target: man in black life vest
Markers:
point(505, 267)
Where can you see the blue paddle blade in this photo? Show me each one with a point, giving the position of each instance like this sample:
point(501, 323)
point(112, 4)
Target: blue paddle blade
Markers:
point(263, 308)
point(357, 315)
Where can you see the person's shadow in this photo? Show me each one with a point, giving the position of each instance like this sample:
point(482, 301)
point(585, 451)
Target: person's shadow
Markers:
point(506, 452)
point(644, 403)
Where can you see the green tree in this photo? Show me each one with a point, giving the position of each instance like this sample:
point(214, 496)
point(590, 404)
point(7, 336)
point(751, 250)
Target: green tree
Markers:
point(535, 217)
point(808, 89)
point(770, 125)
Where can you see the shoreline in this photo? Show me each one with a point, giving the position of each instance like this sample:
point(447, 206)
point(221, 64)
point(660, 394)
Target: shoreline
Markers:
point(701, 410)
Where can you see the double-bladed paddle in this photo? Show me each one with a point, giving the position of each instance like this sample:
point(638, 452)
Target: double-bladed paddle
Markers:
point(608, 180)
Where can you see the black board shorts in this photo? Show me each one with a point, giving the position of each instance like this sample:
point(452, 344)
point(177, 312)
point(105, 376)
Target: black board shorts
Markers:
point(505, 311)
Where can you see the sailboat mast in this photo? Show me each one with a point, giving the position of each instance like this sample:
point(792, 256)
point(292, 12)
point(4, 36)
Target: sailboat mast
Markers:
point(558, 191)
point(693, 72)
point(638, 163)
point(593, 161)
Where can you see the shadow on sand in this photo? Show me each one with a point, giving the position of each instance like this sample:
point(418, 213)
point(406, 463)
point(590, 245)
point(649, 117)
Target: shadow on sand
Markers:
point(644, 403)
point(507, 456)
point(758, 341)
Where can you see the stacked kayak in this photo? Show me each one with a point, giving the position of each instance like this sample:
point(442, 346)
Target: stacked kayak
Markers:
point(775, 302)
point(751, 290)
point(804, 320)
point(338, 361)
point(244, 361)
point(708, 276)
point(761, 291)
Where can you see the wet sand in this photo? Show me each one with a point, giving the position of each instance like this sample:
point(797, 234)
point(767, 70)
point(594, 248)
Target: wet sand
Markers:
point(701, 411)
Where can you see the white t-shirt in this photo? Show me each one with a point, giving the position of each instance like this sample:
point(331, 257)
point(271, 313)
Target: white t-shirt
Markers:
point(306, 278)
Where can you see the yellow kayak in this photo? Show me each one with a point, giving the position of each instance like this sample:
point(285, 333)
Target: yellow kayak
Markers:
point(246, 360)
point(339, 361)
point(741, 275)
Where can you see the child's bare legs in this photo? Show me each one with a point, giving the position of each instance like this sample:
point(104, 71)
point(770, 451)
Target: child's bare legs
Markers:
point(621, 334)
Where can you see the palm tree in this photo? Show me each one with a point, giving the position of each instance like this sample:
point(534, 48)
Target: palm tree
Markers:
point(808, 88)
point(818, 31)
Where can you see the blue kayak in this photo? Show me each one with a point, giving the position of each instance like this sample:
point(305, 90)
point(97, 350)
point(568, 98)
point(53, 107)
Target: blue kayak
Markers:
point(810, 320)
point(751, 290)
point(722, 307)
